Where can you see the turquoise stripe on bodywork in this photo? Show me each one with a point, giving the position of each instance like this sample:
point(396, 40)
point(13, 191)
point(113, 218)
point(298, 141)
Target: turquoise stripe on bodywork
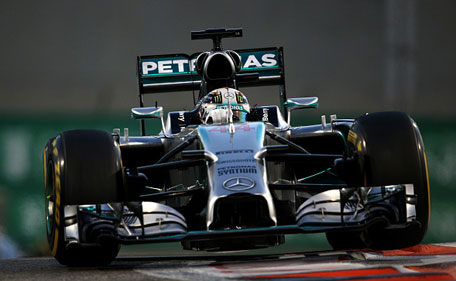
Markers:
point(260, 132)
point(202, 131)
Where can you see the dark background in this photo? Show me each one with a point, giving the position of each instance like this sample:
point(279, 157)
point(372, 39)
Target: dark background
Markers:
point(72, 64)
point(79, 56)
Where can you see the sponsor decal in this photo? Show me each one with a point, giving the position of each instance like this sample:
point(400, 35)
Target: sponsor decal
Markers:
point(352, 136)
point(359, 146)
point(181, 117)
point(184, 65)
point(237, 161)
point(238, 184)
point(240, 98)
point(58, 189)
point(217, 98)
point(173, 65)
point(234, 151)
point(265, 115)
point(228, 94)
point(230, 170)
point(233, 107)
point(256, 60)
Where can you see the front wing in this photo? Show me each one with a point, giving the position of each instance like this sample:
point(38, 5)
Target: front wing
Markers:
point(332, 210)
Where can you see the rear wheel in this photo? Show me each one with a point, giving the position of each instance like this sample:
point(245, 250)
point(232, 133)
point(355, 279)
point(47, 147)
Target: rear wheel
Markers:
point(390, 150)
point(81, 167)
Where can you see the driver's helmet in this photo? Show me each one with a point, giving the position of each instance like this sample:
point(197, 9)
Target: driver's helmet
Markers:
point(215, 106)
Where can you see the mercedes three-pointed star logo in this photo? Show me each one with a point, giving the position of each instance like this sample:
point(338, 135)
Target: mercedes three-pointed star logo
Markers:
point(238, 184)
point(229, 95)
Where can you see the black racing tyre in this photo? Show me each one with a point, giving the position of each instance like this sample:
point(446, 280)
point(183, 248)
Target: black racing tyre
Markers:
point(390, 150)
point(80, 167)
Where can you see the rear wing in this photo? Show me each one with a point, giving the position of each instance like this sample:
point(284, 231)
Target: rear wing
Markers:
point(176, 72)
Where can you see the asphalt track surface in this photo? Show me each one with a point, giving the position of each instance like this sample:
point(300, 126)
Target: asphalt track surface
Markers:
point(422, 262)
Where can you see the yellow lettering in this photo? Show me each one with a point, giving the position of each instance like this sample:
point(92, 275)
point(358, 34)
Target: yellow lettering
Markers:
point(359, 146)
point(57, 198)
point(45, 166)
point(56, 241)
point(58, 189)
point(57, 215)
point(352, 136)
point(57, 169)
point(57, 210)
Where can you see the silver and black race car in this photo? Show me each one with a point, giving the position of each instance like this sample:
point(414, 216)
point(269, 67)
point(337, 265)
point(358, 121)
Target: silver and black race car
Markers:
point(225, 176)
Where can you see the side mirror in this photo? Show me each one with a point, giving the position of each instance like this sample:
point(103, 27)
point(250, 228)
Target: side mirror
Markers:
point(299, 103)
point(141, 113)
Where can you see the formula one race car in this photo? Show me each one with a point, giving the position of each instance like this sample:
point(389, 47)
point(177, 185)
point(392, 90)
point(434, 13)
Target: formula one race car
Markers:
point(227, 176)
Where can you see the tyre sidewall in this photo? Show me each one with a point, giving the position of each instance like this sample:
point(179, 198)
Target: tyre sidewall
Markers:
point(54, 177)
point(390, 150)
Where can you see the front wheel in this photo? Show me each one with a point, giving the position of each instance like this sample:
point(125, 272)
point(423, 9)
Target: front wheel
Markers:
point(80, 167)
point(390, 151)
